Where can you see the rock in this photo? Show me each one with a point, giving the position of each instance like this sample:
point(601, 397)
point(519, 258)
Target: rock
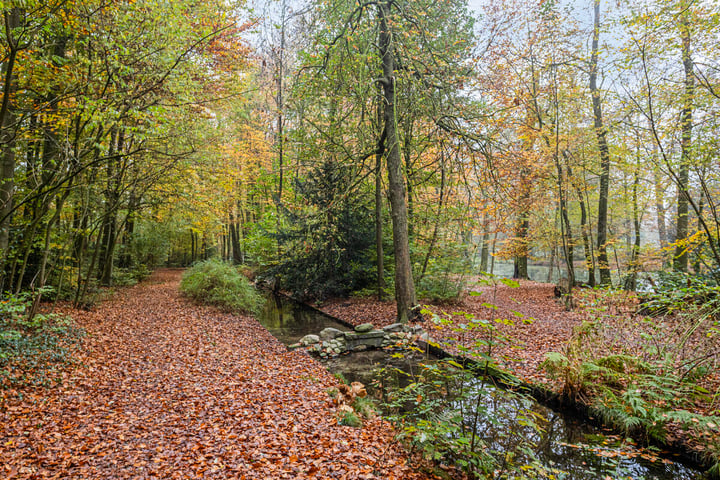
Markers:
point(309, 340)
point(395, 327)
point(365, 327)
point(360, 348)
point(373, 338)
point(330, 333)
point(294, 346)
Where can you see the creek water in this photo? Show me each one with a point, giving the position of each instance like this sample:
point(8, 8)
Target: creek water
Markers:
point(565, 443)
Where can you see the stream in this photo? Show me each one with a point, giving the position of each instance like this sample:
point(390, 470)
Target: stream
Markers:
point(565, 443)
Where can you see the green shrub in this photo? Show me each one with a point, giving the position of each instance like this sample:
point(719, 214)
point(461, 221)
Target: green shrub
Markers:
point(349, 419)
point(214, 282)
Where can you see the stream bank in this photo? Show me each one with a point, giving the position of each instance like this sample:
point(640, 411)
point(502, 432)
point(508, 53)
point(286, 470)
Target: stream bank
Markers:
point(569, 442)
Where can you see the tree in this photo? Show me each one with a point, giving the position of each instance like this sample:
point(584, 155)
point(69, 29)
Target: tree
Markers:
point(604, 151)
point(414, 52)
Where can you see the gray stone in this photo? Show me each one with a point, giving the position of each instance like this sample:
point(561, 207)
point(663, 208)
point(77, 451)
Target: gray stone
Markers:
point(395, 327)
point(330, 333)
point(309, 340)
point(365, 327)
point(294, 346)
point(373, 338)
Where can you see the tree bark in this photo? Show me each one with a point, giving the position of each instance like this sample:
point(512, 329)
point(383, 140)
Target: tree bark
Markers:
point(378, 214)
point(660, 209)
point(604, 154)
point(404, 285)
point(680, 260)
point(7, 135)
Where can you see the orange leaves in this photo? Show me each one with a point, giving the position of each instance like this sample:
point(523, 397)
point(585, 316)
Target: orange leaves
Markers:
point(170, 390)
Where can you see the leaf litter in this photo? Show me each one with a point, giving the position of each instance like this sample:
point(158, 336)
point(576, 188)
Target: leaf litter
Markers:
point(167, 389)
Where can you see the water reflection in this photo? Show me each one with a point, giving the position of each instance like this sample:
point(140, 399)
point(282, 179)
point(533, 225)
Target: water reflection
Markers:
point(563, 442)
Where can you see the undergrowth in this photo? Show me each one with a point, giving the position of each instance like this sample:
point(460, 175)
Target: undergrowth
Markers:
point(33, 352)
point(649, 376)
point(214, 282)
point(451, 414)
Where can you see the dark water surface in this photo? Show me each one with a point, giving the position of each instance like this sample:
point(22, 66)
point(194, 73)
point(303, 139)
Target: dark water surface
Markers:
point(565, 443)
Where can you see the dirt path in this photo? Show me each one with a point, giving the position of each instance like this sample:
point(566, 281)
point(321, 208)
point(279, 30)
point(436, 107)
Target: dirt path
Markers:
point(170, 390)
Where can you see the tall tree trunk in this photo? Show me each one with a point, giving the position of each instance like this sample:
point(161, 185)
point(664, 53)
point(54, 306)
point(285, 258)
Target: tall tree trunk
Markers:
point(7, 136)
point(680, 260)
point(404, 285)
point(602, 226)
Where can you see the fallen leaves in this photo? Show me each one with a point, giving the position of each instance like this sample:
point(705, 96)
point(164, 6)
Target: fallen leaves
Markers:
point(171, 390)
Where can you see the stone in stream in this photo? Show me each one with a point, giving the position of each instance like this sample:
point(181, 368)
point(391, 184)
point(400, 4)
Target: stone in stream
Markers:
point(372, 338)
point(395, 327)
point(330, 333)
point(309, 340)
point(363, 328)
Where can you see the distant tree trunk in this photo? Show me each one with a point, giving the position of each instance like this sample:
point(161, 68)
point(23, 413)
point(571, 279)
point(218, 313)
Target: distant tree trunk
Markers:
point(126, 259)
point(438, 218)
point(680, 260)
point(604, 154)
point(404, 285)
point(697, 261)
point(379, 217)
point(408, 175)
point(492, 253)
point(193, 246)
point(565, 226)
point(235, 240)
point(584, 226)
point(112, 200)
point(485, 249)
point(551, 269)
point(520, 268)
point(660, 208)
point(631, 282)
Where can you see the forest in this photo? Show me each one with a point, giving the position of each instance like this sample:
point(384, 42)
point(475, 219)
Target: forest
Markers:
point(401, 157)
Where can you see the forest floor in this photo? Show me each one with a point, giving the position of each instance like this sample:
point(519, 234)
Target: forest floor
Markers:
point(167, 389)
point(529, 322)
